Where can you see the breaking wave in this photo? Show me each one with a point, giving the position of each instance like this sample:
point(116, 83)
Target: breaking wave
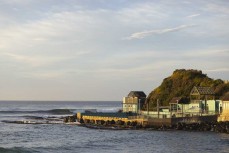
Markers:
point(58, 111)
point(52, 111)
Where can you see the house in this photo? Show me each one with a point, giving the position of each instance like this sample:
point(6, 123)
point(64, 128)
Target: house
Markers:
point(176, 104)
point(224, 116)
point(202, 93)
point(202, 101)
point(134, 101)
point(202, 98)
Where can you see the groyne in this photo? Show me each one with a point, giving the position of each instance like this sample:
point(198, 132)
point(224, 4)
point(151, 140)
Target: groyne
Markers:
point(118, 121)
point(220, 127)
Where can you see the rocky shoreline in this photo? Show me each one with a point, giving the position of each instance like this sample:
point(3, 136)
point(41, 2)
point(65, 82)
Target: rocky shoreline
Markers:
point(219, 127)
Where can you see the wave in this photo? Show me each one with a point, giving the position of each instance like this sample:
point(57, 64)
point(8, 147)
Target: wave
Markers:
point(33, 122)
point(15, 150)
point(52, 111)
point(51, 118)
point(60, 111)
point(39, 113)
point(34, 117)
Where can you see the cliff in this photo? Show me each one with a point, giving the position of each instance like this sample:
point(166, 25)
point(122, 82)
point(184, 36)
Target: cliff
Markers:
point(180, 83)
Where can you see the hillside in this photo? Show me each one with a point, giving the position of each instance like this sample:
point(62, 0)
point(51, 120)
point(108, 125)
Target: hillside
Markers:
point(180, 83)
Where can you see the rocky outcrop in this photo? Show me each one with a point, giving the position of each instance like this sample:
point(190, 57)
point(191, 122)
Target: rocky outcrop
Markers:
point(220, 127)
point(180, 83)
point(70, 119)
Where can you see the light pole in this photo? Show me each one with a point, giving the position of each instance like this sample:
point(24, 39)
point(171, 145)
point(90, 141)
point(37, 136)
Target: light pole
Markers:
point(139, 104)
point(158, 115)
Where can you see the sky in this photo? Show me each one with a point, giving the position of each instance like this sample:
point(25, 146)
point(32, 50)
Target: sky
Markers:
point(103, 49)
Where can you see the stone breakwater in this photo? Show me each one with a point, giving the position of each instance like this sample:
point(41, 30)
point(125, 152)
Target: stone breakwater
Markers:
point(220, 127)
point(72, 118)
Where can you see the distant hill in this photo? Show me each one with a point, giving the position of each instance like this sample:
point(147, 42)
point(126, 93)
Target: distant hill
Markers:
point(180, 83)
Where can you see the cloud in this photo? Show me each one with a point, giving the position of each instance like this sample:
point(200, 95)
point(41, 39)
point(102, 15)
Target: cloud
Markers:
point(45, 74)
point(218, 70)
point(22, 2)
point(193, 15)
point(61, 43)
point(38, 61)
point(140, 35)
point(208, 53)
point(217, 8)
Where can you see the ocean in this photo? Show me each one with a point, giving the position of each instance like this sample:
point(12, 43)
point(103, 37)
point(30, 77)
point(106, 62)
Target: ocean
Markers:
point(52, 136)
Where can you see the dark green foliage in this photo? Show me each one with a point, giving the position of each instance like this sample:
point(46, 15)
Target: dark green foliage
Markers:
point(180, 83)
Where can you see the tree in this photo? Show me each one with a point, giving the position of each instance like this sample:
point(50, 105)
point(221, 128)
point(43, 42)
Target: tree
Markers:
point(180, 83)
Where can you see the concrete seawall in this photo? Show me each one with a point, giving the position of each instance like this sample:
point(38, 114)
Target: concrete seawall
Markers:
point(142, 120)
point(174, 121)
point(123, 121)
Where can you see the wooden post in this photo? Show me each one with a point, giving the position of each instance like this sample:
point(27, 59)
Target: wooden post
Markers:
point(182, 110)
point(205, 104)
point(170, 110)
point(158, 107)
point(177, 106)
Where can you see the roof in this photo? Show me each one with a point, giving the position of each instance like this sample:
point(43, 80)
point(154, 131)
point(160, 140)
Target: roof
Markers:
point(139, 94)
point(202, 91)
point(226, 97)
point(180, 100)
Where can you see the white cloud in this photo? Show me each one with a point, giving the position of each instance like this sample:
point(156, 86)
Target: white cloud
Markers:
point(77, 46)
point(22, 2)
point(218, 70)
point(142, 13)
point(209, 52)
point(140, 35)
point(193, 15)
point(38, 61)
point(217, 8)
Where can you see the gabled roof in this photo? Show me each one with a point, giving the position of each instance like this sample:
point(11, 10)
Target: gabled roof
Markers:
point(226, 97)
point(139, 94)
point(179, 100)
point(202, 91)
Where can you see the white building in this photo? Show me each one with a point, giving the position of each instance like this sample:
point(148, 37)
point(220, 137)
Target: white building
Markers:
point(225, 108)
point(134, 101)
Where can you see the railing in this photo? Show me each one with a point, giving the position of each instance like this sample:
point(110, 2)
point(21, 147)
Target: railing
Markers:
point(174, 115)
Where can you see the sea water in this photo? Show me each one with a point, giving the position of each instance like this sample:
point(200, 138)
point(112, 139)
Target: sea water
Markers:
point(61, 138)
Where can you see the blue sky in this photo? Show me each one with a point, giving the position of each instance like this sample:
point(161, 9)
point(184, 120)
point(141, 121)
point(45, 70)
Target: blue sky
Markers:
point(101, 50)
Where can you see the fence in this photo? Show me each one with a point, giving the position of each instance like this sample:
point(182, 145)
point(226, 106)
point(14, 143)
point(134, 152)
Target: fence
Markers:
point(151, 115)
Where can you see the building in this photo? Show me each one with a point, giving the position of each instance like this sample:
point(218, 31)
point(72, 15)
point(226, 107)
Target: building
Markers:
point(176, 104)
point(225, 108)
point(134, 101)
point(199, 97)
point(202, 93)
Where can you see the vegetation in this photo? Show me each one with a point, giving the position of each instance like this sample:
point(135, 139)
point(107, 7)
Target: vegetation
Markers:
point(180, 83)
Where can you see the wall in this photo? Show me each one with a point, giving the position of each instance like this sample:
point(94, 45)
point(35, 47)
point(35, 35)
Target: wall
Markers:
point(195, 119)
point(187, 120)
point(159, 122)
point(130, 104)
point(225, 111)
